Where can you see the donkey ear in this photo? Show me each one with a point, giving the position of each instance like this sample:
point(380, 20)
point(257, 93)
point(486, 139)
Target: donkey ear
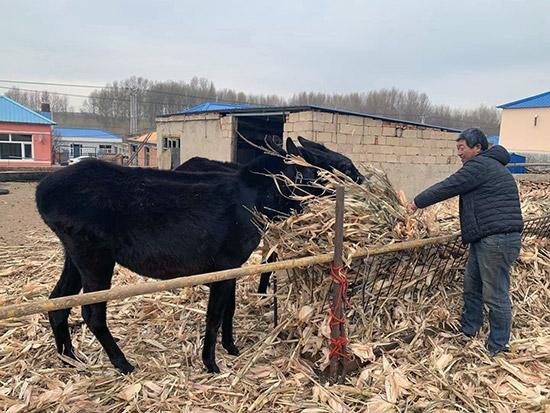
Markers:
point(274, 146)
point(291, 148)
point(314, 157)
point(306, 143)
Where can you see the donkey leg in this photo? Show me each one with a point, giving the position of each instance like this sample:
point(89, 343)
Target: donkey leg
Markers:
point(95, 316)
point(264, 282)
point(264, 279)
point(69, 284)
point(97, 271)
point(227, 324)
point(217, 302)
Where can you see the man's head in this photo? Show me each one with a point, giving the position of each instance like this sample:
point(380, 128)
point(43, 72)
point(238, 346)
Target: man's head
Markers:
point(471, 142)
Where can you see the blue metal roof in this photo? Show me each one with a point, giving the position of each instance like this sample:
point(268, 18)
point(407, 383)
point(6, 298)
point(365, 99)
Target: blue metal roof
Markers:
point(11, 111)
point(63, 132)
point(217, 106)
point(537, 101)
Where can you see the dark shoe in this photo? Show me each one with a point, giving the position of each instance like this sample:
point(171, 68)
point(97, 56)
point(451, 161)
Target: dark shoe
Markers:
point(494, 353)
point(467, 334)
point(463, 340)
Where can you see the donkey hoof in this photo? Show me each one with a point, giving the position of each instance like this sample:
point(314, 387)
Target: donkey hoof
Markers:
point(212, 367)
point(125, 367)
point(70, 354)
point(231, 349)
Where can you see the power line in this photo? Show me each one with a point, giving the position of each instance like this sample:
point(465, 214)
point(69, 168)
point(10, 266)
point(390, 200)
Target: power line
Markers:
point(28, 82)
point(92, 97)
point(215, 97)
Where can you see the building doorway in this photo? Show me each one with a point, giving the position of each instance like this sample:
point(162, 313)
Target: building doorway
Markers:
point(255, 129)
point(173, 145)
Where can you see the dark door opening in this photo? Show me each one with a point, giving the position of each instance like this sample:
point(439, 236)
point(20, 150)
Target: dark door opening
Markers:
point(255, 129)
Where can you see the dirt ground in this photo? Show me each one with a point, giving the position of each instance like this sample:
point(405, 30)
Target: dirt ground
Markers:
point(18, 214)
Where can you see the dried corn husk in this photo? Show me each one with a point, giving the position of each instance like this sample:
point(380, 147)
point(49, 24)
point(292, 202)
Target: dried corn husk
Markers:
point(280, 369)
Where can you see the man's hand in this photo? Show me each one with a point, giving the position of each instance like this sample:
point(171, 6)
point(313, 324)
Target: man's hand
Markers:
point(412, 207)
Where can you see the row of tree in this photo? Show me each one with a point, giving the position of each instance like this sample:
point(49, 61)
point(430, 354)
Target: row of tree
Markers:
point(33, 99)
point(161, 97)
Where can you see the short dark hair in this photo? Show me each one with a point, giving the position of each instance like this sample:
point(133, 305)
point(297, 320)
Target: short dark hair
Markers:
point(473, 137)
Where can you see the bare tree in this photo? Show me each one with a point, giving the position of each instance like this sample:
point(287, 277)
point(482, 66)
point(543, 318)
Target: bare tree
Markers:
point(34, 99)
point(157, 98)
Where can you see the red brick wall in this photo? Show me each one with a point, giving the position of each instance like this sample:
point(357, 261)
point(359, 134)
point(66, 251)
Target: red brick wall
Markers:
point(153, 161)
point(41, 142)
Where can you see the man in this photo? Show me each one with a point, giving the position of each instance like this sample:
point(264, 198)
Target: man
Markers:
point(491, 222)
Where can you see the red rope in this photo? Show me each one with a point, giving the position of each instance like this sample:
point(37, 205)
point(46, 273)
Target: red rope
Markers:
point(337, 344)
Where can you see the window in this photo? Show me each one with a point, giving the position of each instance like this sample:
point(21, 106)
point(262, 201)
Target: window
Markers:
point(15, 147)
point(105, 149)
point(147, 156)
point(133, 155)
point(21, 138)
point(169, 143)
point(535, 120)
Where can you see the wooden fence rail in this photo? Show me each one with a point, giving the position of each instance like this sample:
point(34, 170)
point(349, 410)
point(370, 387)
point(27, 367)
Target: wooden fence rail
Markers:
point(115, 293)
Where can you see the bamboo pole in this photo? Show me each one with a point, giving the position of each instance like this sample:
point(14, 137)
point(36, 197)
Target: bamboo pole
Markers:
point(43, 306)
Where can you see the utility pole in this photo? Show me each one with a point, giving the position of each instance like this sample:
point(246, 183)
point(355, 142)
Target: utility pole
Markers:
point(133, 111)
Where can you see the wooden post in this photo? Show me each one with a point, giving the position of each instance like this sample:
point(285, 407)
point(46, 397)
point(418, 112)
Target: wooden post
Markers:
point(338, 329)
point(339, 226)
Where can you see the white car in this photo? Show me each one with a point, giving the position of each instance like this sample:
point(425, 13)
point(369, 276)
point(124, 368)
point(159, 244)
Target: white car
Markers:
point(72, 161)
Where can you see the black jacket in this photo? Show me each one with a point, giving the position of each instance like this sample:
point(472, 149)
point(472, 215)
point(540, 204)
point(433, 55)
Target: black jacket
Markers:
point(489, 200)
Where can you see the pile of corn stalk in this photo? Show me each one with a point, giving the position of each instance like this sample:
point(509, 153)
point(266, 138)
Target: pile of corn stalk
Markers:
point(409, 356)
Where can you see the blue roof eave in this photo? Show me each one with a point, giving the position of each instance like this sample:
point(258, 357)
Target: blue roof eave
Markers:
point(542, 100)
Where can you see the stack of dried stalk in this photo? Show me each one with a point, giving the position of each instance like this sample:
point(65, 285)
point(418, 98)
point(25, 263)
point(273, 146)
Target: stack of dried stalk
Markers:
point(280, 368)
point(535, 197)
point(375, 214)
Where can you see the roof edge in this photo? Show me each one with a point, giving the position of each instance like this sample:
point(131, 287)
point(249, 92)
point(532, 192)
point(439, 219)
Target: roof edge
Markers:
point(298, 108)
point(49, 121)
point(515, 102)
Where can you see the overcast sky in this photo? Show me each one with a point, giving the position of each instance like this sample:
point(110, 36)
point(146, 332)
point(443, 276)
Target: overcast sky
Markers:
point(461, 53)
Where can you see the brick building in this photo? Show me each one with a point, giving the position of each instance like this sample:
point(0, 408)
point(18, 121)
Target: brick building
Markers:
point(413, 154)
point(142, 150)
point(25, 136)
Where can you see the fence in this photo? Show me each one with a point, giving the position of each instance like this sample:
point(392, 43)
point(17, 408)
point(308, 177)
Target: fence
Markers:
point(42, 306)
point(414, 269)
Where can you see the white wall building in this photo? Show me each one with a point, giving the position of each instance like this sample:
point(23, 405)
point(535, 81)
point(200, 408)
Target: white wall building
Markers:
point(74, 142)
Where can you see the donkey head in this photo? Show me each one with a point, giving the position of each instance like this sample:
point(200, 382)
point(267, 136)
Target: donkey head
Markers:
point(318, 155)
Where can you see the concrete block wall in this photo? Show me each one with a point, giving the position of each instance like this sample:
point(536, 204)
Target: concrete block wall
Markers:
point(414, 157)
point(206, 135)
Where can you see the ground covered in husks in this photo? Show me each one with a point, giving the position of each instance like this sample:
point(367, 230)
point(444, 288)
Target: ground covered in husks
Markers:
point(281, 368)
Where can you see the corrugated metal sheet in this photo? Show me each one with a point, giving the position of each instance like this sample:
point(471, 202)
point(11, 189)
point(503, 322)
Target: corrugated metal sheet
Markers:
point(537, 101)
point(85, 133)
point(11, 111)
point(217, 106)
